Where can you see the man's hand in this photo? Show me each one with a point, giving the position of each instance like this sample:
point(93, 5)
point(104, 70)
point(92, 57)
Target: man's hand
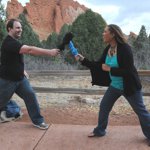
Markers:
point(54, 52)
point(105, 67)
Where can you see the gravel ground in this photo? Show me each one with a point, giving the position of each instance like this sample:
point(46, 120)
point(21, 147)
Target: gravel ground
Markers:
point(76, 108)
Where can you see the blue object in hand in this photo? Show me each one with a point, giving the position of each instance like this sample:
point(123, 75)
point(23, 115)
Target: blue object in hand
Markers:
point(73, 50)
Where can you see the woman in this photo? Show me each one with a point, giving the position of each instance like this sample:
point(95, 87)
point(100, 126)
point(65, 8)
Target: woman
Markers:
point(116, 70)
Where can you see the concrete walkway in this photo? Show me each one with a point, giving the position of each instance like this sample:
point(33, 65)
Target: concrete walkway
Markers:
point(23, 136)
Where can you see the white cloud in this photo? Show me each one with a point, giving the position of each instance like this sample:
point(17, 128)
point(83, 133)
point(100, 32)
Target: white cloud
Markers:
point(107, 11)
point(23, 2)
point(134, 23)
point(129, 15)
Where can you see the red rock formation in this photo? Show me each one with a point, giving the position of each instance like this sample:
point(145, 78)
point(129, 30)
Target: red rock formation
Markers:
point(46, 16)
point(132, 35)
point(14, 8)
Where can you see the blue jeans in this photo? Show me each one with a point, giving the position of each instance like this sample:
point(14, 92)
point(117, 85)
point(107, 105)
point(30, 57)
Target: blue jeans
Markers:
point(136, 102)
point(25, 91)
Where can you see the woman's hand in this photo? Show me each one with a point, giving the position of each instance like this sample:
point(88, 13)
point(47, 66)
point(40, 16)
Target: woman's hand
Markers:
point(79, 57)
point(105, 67)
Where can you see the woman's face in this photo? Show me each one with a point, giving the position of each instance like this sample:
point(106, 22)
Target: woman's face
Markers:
point(108, 37)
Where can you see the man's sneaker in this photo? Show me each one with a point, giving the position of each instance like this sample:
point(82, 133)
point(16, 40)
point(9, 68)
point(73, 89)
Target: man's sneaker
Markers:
point(42, 126)
point(3, 117)
point(1, 120)
point(19, 116)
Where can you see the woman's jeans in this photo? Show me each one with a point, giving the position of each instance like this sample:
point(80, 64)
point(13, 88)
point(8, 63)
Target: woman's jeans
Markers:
point(24, 90)
point(136, 102)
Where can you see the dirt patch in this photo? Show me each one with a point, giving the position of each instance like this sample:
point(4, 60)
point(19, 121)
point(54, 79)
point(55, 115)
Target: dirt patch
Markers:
point(77, 114)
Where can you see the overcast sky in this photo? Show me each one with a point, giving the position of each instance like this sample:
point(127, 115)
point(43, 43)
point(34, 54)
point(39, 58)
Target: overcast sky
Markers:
point(128, 14)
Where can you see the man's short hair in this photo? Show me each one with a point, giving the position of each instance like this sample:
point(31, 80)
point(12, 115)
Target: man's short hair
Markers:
point(10, 23)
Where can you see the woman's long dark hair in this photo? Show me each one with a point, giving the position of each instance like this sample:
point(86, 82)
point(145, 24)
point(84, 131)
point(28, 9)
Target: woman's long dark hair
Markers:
point(118, 34)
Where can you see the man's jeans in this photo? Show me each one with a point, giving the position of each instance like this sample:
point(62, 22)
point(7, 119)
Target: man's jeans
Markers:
point(136, 102)
point(24, 90)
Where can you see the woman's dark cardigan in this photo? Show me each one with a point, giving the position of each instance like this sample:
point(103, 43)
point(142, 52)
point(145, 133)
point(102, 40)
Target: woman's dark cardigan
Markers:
point(126, 69)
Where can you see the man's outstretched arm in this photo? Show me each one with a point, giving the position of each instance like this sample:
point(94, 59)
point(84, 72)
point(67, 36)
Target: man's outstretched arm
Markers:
point(32, 50)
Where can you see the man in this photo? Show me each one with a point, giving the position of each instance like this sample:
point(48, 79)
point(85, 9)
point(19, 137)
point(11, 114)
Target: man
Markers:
point(12, 78)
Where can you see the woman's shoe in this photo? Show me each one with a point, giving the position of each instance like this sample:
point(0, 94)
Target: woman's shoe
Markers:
point(94, 135)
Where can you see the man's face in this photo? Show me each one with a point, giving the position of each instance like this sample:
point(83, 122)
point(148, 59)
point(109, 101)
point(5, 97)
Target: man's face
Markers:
point(16, 31)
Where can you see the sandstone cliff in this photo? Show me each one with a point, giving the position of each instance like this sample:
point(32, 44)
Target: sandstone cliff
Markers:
point(46, 16)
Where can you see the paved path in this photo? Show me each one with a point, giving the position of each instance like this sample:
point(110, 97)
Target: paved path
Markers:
point(23, 136)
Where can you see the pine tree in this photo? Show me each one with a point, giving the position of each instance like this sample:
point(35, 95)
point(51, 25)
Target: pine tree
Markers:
point(141, 49)
point(2, 11)
point(3, 31)
point(51, 41)
point(87, 30)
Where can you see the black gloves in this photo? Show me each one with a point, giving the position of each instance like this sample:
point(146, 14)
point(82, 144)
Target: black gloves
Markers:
point(66, 40)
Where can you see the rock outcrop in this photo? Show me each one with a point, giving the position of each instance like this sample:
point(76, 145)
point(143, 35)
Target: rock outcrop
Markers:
point(46, 16)
point(133, 35)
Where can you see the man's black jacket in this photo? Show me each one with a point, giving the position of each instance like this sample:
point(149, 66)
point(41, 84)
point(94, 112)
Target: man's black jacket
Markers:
point(126, 69)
